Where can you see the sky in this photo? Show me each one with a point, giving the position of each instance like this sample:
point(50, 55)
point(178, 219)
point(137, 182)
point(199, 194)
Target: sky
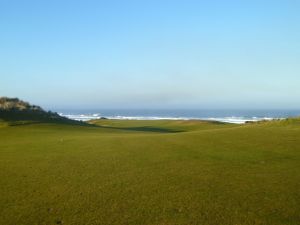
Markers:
point(151, 54)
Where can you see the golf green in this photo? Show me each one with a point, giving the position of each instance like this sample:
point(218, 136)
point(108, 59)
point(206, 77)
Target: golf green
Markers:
point(116, 172)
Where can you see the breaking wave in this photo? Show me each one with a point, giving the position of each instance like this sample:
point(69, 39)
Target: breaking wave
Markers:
point(232, 119)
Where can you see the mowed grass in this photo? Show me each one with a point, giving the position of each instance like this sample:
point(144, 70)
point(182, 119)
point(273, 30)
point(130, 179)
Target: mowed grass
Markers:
point(150, 173)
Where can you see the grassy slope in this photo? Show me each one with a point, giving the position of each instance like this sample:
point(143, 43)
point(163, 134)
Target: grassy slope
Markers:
point(146, 172)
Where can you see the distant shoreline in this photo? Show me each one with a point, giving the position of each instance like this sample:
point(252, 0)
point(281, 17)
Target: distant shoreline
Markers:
point(235, 120)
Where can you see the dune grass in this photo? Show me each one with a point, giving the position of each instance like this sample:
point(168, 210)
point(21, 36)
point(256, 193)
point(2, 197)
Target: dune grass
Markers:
point(150, 173)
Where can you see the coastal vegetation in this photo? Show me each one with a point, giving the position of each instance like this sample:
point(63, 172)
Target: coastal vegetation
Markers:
point(14, 110)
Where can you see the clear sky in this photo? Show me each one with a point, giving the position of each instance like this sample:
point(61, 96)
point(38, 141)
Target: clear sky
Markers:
point(151, 54)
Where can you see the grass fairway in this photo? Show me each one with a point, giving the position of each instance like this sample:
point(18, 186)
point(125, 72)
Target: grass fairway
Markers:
point(150, 173)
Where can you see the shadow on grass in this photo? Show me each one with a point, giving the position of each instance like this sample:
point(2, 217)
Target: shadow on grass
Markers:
point(144, 129)
point(58, 122)
point(84, 124)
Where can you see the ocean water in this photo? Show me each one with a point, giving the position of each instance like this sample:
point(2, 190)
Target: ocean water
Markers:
point(229, 116)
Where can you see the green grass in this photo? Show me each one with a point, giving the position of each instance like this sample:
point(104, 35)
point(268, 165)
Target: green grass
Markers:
point(150, 173)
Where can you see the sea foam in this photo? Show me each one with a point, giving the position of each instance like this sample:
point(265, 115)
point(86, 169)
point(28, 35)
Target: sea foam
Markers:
point(232, 119)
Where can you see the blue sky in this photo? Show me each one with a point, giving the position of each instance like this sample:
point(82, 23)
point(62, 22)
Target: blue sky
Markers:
point(151, 54)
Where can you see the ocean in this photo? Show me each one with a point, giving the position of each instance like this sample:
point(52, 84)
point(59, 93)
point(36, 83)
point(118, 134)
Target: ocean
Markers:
point(229, 116)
